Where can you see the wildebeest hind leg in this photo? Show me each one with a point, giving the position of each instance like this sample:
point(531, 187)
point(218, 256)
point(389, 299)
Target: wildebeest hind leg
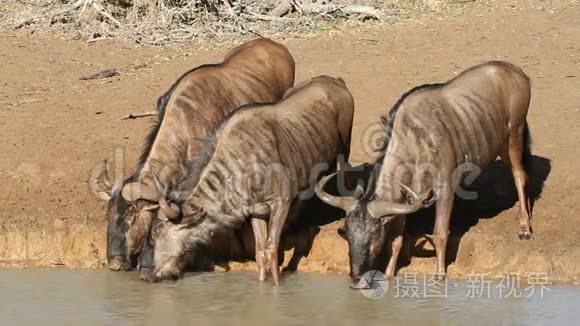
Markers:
point(441, 228)
point(260, 228)
point(278, 217)
point(513, 158)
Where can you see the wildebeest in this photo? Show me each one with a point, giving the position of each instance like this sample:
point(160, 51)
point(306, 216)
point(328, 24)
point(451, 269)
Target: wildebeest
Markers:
point(299, 233)
point(238, 245)
point(434, 133)
point(257, 71)
point(260, 165)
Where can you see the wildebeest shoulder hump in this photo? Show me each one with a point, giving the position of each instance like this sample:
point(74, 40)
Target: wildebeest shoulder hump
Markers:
point(390, 119)
point(161, 108)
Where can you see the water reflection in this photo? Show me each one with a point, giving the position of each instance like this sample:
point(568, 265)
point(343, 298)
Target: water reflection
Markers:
point(57, 297)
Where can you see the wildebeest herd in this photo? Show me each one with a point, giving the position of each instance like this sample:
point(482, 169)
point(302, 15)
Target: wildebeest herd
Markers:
point(242, 165)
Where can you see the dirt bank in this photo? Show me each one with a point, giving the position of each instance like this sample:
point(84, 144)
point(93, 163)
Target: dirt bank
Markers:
point(54, 128)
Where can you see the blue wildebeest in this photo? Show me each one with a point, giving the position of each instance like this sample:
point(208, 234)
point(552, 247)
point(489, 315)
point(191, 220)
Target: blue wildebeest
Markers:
point(257, 71)
point(238, 245)
point(260, 165)
point(432, 132)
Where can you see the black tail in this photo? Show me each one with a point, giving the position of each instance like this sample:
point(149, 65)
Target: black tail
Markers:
point(527, 152)
point(343, 147)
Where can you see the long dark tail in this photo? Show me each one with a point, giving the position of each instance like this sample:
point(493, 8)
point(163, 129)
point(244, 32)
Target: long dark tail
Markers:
point(344, 147)
point(527, 152)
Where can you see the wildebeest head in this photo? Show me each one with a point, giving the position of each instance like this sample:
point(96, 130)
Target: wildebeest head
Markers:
point(119, 211)
point(149, 203)
point(127, 227)
point(365, 235)
point(131, 208)
point(175, 242)
point(366, 225)
point(171, 239)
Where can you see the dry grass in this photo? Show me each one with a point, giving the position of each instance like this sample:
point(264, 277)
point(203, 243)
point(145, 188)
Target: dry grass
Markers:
point(171, 21)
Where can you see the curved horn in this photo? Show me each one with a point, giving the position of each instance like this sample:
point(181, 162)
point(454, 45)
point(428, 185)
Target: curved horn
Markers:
point(416, 197)
point(136, 190)
point(347, 203)
point(161, 187)
point(168, 211)
point(380, 208)
point(165, 190)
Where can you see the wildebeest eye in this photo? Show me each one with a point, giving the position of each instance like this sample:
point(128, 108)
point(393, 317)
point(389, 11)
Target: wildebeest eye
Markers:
point(176, 220)
point(131, 209)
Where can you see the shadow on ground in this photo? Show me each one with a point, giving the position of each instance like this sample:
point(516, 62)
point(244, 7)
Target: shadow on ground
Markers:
point(496, 193)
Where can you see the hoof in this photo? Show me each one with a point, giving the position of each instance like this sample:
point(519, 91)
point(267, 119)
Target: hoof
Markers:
point(147, 275)
point(439, 277)
point(524, 235)
point(262, 277)
point(116, 264)
point(262, 273)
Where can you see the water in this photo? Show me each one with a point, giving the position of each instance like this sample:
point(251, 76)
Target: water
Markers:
point(67, 297)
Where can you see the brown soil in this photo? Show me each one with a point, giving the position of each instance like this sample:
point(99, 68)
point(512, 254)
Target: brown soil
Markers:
point(55, 128)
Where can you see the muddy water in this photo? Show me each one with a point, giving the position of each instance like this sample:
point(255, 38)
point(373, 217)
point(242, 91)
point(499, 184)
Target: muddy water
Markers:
point(66, 297)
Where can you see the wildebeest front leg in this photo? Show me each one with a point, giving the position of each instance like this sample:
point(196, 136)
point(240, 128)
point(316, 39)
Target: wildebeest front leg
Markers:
point(146, 260)
point(397, 230)
point(260, 228)
point(278, 217)
point(441, 229)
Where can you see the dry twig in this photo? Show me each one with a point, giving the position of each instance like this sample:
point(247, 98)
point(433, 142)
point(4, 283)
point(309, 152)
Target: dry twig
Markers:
point(101, 74)
point(140, 115)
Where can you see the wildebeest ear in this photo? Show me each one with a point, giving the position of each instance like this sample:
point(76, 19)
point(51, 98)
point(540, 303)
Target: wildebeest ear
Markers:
point(341, 232)
point(100, 182)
